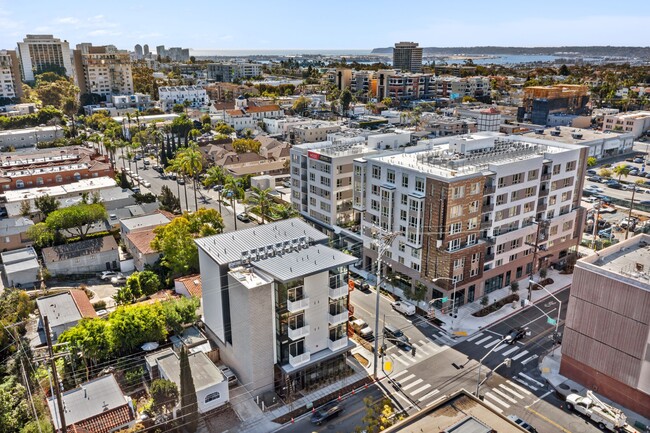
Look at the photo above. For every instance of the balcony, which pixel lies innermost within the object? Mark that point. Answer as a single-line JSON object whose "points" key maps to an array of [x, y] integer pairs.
{"points": [[546, 176], [486, 224], [543, 192], [337, 344], [298, 333], [298, 305], [339, 292], [337, 319], [489, 189], [489, 207], [299, 360]]}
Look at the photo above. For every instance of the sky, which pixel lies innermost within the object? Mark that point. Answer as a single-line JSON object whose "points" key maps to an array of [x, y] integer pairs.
{"points": [[327, 24]]}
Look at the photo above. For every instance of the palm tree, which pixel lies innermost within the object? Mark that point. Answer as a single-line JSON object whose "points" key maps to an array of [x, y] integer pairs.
{"points": [[285, 211], [233, 190], [191, 164], [110, 147], [134, 150], [174, 166], [262, 199], [621, 170], [215, 176]]}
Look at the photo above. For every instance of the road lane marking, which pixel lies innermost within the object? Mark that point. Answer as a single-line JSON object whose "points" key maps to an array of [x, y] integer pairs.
{"points": [[398, 394], [399, 359], [493, 406], [396, 375], [548, 420], [514, 349], [421, 349], [529, 359], [412, 384], [500, 347], [523, 382], [525, 376], [497, 399], [524, 390], [475, 336], [504, 395], [420, 389], [493, 343], [541, 397], [519, 355], [429, 395], [482, 340], [510, 391], [436, 401]]}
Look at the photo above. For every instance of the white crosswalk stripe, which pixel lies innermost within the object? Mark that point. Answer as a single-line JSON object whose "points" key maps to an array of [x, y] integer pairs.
{"points": [[504, 395], [516, 394], [429, 395], [396, 375], [407, 378], [420, 389], [412, 384], [401, 361], [519, 355], [517, 387], [475, 336], [508, 352], [497, 399], [492, 343], [483, 340], [500, 348], [493, 406]]}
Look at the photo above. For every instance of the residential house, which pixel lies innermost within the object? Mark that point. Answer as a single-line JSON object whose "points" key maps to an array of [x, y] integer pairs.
{"points": [[84, 257], [137, 234], [275, 301], [13, 233], [98, 406], [189, 286], [63, 311], [21, 267]]}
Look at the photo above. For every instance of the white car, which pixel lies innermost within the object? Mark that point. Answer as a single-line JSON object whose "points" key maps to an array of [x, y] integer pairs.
{"points": [[146, 184], [594, 188]]}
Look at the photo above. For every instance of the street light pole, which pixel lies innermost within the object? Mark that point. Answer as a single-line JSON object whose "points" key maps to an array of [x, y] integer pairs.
{"points": [[507, 362], [453, 297], [559, 309], [480, 363], [384, 241]]}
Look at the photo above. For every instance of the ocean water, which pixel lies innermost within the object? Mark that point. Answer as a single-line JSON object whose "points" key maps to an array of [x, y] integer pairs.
{"points": [[245, 53], [512, 59]]}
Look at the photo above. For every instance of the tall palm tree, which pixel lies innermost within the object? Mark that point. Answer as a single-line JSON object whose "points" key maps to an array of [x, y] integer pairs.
{"points": [[233, 190], [621, 170], [174, 166], [134, 146], [191, 164], [110, 147], [261, 198]]}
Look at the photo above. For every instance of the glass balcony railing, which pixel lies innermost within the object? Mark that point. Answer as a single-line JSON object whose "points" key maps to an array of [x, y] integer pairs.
{"points": [[299, 360], [298, 305], [338, 318]]}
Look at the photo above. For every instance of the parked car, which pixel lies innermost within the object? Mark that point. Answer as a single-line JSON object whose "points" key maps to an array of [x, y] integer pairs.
{"points": [[613, 184], [606, 234], [634, 172], [146, 184], [603, 198], [628, 221], [229, 375], [594, 188], [404, 307], [397, 337], [107, 275], [362, 285], [244, 217], [102, 313], [326, 412], [592, 172], [595, 178], [146, 162], [638, 160], [521, 423], [286, 184], [515, 335], [361, 327], [180, 181], [118, 279]]}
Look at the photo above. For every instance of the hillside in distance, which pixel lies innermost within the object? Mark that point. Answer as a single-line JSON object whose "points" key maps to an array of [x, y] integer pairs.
{"points": [[597, 51]]}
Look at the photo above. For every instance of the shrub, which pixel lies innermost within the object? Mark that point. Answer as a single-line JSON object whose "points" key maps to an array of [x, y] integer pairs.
{"points": [[543, 272], [514, 286], [99, 305], [484, 300]]}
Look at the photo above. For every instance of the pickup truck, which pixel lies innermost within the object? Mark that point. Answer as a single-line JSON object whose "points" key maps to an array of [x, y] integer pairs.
{"points": [[360, 327], [604, 415]]}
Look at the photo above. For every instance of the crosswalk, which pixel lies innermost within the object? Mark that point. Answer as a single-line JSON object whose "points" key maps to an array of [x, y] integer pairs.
{"points": [[423, 349], [415, 387], [489, 341], [505, 395]]}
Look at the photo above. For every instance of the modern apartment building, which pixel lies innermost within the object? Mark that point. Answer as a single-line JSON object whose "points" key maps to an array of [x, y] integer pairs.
{"points": [[275, 301], [468, 208], [407, 56], [172, 95], [103, 71], [38, 52], [10, 82], [229, 72], [29, 137], [635, 122], [404, 86], [312, 132], [606, 341], [444, 126]]}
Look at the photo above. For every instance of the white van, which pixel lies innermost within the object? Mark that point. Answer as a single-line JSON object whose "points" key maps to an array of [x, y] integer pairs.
{"points": [[404, 307]]}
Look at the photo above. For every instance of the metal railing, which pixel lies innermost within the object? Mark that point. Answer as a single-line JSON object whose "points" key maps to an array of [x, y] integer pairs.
{"points": [[298, 360], [296, 334], [298, 305]]}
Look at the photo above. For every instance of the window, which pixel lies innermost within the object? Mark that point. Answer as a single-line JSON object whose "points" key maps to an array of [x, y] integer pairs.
{"points": [[339, 182], [458, 192], [20, 184], [415, 253], [501, 248], [473, 206], [568, 182], [513, 195], [568, 225], [454, 245], [414, 205], [501, 199], [512, 258], [401, 246], [312, 201], [405, 181], [400, 260], [515, 243], [459, 263], [375, 189], [471, 239], [374, 205], [529, 192], [403, 199], [517, 178], [556, 169], [212, 396], [553, 230], [376, 172], [552, 200], [455, 228], [476, 257], [473, 272], [566, 196], [402, 215], [419, 184], [472, 223], [475, 188], [570, 166], [390, 176], [502, 182], [77, 176], [325, 181], [39, 181], [58, 178], [456, 211], [532, 174]]}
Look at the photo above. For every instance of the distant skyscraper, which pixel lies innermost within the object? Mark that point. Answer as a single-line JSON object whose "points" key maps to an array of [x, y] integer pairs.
{"points": [[407, 56], [138, 51], [160, 51], [146, 50], [38, 52]]}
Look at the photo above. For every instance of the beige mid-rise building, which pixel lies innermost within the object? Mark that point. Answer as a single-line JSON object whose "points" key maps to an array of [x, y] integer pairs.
{"points": [[39, 52], [10, 83], [103, 71]]}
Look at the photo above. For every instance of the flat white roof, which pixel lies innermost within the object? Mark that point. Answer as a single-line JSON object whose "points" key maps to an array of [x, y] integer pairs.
{"points": [[80, 186]]}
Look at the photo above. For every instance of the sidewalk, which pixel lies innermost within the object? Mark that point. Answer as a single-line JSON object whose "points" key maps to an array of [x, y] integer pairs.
{"points": [[550, 370], [466, 324]]}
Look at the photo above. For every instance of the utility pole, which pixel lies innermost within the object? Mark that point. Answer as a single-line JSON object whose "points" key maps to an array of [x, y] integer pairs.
{"points": [[535, 249], [629, 213], [57, 389]]}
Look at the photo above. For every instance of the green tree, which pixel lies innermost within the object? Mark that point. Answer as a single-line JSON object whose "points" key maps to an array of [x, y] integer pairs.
{"points": [[180, 312], [223, 128], [178, 108], [189, 405], [41, 234], [285, 211], [56, 93], [379, 415], [138, 284], [77, 218], [245, 145], [14, 411], [215, 175], [190, 163], [25, 208], [416, 293], [133, 325], [301, 104], [591, 161], [233, 191], [181, 126], [564, 71], [15, 306], [621, 170], [168, 201], [262, 199], [605, 172], [164, 394], [92, 336], [345, 100], [387, 101], [46, 204]]}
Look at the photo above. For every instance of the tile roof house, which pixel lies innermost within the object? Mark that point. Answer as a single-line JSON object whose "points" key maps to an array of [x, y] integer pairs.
{"points": [[139, 245], [98, 406], [83, 257], [64, 310], [188, 286]]}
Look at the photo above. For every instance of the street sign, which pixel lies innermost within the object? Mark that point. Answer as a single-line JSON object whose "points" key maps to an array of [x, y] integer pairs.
{"points": [[445, 299], [551, 321]]}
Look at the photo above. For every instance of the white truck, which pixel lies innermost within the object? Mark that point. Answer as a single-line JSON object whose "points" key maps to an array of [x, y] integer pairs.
{"points": [[361, 327], [604, 415], [404, 307]]}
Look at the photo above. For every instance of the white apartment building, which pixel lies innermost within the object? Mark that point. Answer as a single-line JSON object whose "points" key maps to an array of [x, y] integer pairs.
{"points": [[275, 301], [10, 82], [600, 144], [103, 71], [312, 132], [38, 51], [172, 95], [29, 137], [466, 208], [635, 122]]}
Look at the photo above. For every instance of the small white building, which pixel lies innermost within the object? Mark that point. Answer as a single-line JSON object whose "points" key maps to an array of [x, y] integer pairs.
{"points": [[29, 137], [635, 122], [21, 268], [172, 95], [84, 257]]}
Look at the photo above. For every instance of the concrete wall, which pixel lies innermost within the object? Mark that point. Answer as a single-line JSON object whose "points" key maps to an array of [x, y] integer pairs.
{"points": [[221, 388], [87, 264], [317, 315]]}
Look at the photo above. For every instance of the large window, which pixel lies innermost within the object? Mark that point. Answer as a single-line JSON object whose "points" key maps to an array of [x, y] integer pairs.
{"points": [[212, 396]]}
